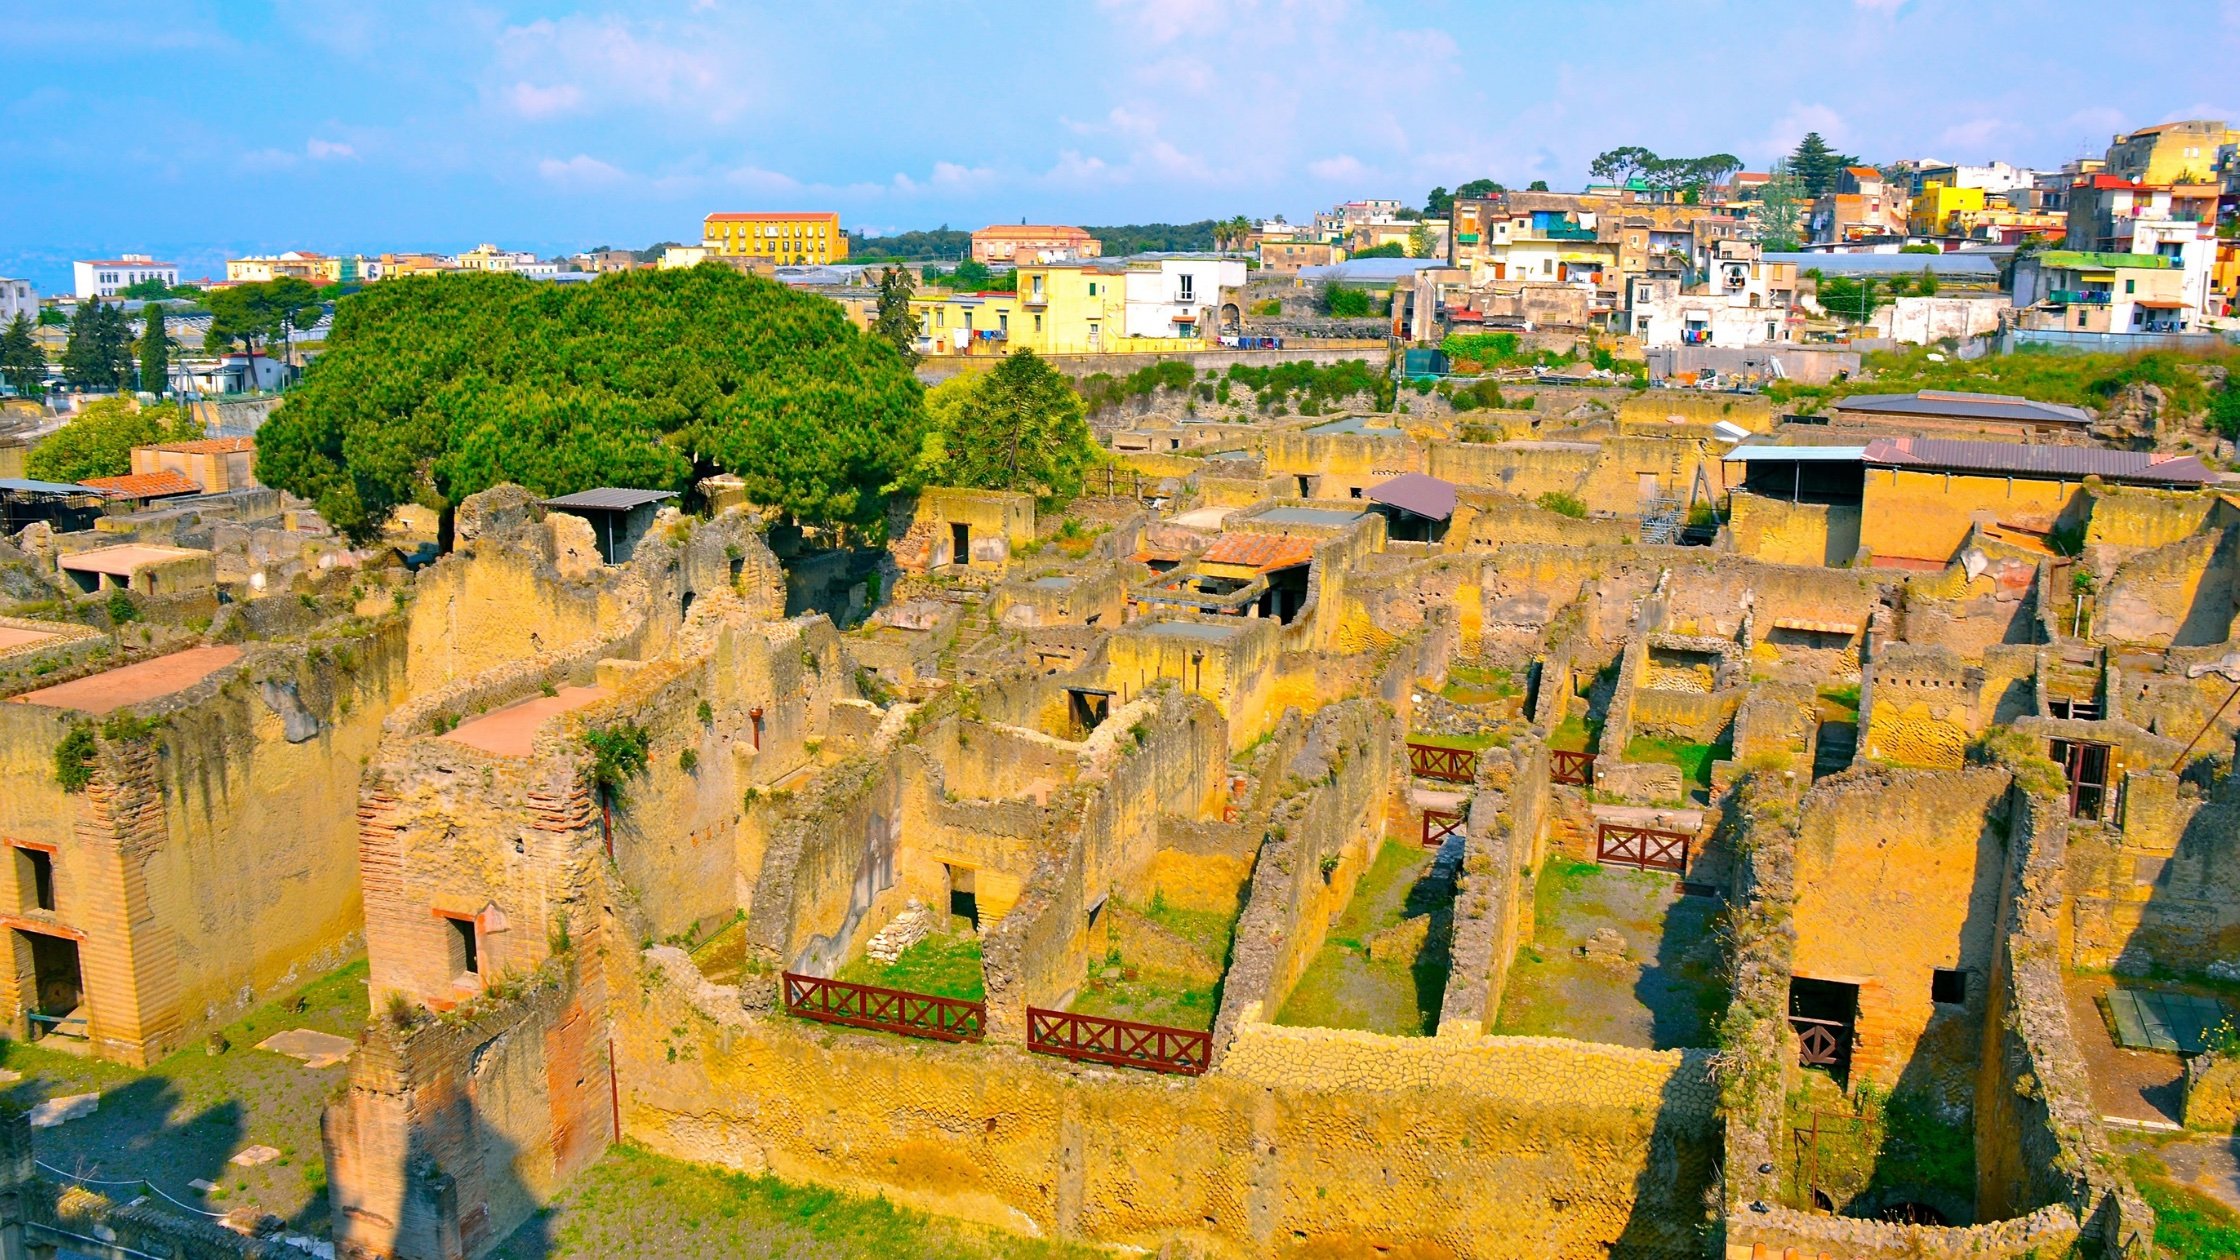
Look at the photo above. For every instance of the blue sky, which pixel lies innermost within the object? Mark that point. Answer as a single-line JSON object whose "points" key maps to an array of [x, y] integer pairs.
{"points": [[197, 129]]}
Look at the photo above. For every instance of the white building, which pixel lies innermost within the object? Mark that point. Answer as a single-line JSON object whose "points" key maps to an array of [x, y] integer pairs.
{"points": [[491, 258], [17, 297], [236, 373], [1743, 300], [104, 277], [1997, 177], [1180, 296]]}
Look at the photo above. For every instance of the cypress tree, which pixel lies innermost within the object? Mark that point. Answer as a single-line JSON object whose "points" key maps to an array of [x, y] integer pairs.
{"points": [[21, 361], [155, 352]]}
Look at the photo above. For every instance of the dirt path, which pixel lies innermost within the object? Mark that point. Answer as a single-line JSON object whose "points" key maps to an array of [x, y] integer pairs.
{"points": [[1617, 956]]}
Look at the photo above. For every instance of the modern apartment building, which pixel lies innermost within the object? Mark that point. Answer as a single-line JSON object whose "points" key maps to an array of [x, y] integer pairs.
{"points": [[105, 277], [784, 238]]}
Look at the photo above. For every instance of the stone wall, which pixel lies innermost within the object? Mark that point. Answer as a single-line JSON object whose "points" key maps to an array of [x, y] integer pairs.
{"points": [[1322, 835], [206, 866], [1780, 532], [1308, 1141], [1899, 874], [1501, 848], [456, 1129]]}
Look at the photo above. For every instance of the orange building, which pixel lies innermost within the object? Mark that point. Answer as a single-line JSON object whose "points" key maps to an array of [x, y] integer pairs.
{"points": [[1033, 243]]}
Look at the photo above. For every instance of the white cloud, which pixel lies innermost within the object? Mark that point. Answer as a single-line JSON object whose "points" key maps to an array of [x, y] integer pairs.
{"points": [[580, 169], [1165, 20], [324, 150], [1344, 166], [532, 101], [587, 63]]}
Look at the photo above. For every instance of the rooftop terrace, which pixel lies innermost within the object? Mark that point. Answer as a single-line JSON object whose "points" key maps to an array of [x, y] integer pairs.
{"points": [[133, 684], [509, 731]]}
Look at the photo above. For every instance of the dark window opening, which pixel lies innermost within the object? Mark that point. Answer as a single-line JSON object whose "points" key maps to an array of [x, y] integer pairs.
{"points": [[960, 544], [1087, 709], [684, 608], [2081, 710], [1286, 594], [2086, 765], [1306, 487], [35, 879], [57, 987], [964, 901], [1948, 986], [466, 957]]}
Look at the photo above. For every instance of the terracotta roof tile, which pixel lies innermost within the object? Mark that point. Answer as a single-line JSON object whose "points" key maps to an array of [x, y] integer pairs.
{"points": [[154, 485], [1260, 552]]}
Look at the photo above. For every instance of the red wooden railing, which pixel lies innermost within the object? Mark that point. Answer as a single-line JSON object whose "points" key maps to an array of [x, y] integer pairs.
{"points": [[1449, 765], [889, 1010], [1438, 824], [1120, 1042], [1820, 1042], [1574, 768], [1645, 847]]}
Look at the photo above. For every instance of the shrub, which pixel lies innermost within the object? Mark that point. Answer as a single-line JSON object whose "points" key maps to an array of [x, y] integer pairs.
{"points": [[618, 755], [73, 758], [688, 759], [1563, 504], [121, 606]]}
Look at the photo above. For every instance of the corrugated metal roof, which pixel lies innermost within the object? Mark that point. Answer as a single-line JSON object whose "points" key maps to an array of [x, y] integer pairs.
{"points": [[609, 499], [2137, 467], [1965, 406], [1260, 552], [22, 485], [1420, 493]]}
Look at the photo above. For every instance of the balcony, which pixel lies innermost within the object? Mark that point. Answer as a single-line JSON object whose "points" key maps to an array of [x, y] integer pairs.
{"points": [[1565, 234], [1034, 297], [2077, 297]]}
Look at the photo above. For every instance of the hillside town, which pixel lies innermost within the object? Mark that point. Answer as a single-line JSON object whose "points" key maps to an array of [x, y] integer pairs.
{"points": [[1202, 740]]}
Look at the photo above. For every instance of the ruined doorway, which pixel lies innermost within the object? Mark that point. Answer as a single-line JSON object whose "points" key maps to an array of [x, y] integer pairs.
{"points": [[464, 949], [1824, 1014], [960, 544], [1086, 709], [2086, 766], [35, 878], [964, 899], [1286, 594], [57, 986]]}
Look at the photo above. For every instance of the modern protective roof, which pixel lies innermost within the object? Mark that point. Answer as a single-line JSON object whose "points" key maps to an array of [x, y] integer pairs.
{"points": [[2088, 260], [1964, 406], [1420, 493], [1353, 424], [608, 499], [22, 485], [1325, 518], [1797, 454], [2147, 468]]}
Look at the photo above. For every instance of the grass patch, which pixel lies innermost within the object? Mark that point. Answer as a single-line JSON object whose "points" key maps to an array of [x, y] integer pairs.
{"points": [[2188, 1225], [1148, 997], [1890, 1146], [1479, 684], [943, 966], [1343, 987], [1575, 733], [2059, 376], [634, 1204], [1694, 760], [1668, 989], [184, 1118], [1211, 931]]}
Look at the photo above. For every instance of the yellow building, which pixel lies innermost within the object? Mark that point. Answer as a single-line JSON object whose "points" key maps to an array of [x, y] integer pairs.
{"points": [[1938, 206], [295, 264], [969, 323], [1073, 308], [2171, 152], [786, 239]]}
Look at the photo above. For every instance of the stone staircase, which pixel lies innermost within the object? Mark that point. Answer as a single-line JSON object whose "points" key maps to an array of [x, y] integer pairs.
{"points": [[1835, 749]]}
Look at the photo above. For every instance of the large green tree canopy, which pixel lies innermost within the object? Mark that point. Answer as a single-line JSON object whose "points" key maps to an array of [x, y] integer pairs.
{"points": [[432, 388]]}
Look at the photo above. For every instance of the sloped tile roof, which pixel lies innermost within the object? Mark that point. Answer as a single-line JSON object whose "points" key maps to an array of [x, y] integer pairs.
{"points": [[154, 485], [1260, 552]]}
